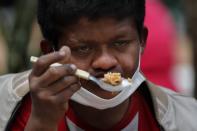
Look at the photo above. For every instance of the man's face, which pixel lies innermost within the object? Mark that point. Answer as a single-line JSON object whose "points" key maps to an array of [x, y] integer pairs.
{"points": [[101, 46]]}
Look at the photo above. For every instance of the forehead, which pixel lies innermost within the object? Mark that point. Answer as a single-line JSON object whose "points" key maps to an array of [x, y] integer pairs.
{"points": [[100, 29]]}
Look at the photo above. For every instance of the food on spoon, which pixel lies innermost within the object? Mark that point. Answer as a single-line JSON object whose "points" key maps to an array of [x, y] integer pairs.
{"points": [[129, 80], [112, 78]]}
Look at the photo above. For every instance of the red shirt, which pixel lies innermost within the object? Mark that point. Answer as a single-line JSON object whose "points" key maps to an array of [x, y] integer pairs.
{"points": [[138, 118]]}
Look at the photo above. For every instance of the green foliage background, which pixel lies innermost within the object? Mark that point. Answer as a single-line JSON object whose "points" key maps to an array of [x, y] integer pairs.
{"points": [[17, 34]]}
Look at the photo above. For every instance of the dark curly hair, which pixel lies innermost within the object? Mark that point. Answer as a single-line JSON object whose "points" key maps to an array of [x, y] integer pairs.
{"points": [[55, 15]]}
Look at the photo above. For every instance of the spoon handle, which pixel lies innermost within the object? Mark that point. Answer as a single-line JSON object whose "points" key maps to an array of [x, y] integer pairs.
{"points": [[80, 73]]}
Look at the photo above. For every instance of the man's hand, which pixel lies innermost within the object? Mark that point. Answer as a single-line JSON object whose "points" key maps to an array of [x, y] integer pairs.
{"points": [[50, 89]]}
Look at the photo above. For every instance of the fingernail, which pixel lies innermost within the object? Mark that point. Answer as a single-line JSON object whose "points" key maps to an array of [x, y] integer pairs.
{"points": [[62, 51], [73, 67]]}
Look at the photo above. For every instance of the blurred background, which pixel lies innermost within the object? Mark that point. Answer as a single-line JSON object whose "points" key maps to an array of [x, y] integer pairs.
{"points": [[169, 59]]}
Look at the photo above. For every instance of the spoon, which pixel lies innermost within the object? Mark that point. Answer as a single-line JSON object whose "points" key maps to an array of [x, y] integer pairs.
{"points": [[86, 75]]}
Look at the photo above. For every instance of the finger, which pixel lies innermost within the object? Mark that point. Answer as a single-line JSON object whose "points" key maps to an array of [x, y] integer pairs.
{"points": [[53, 74], [45, 61], [62, 84], [65, 106]]}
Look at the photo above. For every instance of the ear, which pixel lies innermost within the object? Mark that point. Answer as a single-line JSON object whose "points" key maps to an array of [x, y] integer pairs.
{"points": [[46, 47], [144, 38]]}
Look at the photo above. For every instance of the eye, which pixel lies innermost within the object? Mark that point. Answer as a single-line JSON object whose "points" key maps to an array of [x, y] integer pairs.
{"points": [[121, 43], [82, 49]]}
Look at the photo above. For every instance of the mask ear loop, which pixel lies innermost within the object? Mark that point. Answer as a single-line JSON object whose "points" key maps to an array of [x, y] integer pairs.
{"points": [[139, 59]]}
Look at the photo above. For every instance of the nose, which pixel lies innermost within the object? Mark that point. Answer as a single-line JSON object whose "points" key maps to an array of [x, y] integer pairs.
{"points": [[105, 61]]}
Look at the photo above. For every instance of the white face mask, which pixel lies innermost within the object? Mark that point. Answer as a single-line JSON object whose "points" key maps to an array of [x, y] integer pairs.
{"points": [[87, 98]]}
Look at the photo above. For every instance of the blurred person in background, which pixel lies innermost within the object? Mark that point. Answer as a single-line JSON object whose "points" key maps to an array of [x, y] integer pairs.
{"points": [[16, 28], [6, 17], [167, 57], [158, 59], [184, 75], [3, 64], [190, 7]]}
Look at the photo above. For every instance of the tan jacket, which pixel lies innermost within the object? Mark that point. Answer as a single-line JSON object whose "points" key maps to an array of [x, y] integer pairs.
{"points": [[174, 112]]}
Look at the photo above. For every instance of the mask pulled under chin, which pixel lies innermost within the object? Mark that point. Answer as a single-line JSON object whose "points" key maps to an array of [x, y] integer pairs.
{"points": [[85, 97]]}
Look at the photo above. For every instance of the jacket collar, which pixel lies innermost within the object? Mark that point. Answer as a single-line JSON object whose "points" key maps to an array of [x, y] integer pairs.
{"points": [[159, 99]]}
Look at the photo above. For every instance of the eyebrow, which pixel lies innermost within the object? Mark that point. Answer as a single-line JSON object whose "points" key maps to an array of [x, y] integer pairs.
{"points": [[120, 34], [78, 43], [88, 40]]}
